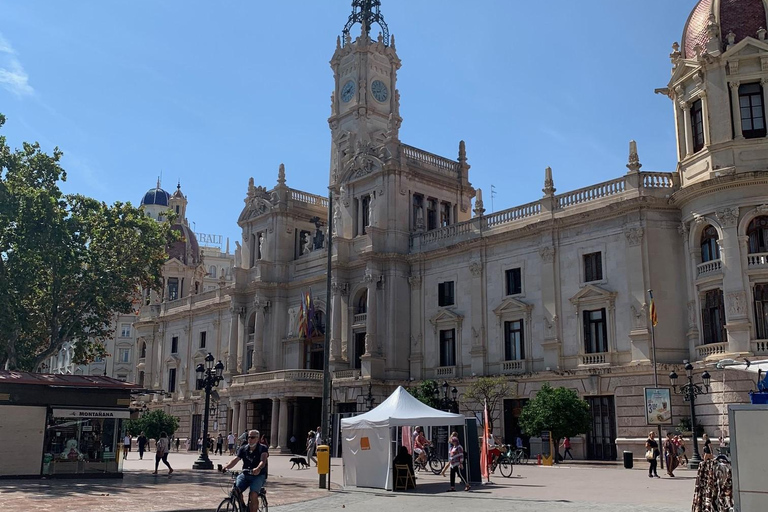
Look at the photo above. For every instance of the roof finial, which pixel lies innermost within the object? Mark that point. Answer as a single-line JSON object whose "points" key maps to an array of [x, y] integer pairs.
{"points": [[366, 12], [549, 183], [462, 152], [479, 209], [178, 184], [634, 164], [158, 182], [281, 175]]}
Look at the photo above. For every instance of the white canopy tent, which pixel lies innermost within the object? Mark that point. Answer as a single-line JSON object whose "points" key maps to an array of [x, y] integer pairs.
{"points": [[368, 448]]}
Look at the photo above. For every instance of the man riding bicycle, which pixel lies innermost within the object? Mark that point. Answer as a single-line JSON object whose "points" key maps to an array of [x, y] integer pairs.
{"points": [[419, 444], [254, 457]]}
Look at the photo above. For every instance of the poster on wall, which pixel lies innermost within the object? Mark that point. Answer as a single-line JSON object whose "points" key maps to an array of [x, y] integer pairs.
{"points": [[658, 406]]}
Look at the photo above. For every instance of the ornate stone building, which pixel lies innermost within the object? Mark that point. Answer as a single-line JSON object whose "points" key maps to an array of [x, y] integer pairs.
{"points": [[426, 285]]}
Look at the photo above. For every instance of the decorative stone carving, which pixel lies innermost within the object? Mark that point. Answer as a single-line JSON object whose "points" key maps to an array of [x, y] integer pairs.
{"points": [[699, 219], [344, 196], [306, 241], [477, 337], [762, 209], [336, 217], [416, 342], [634, 164], [737, 304], [634, 235], [369, 277], [292, 312], [476, 268], [692, 313], [372, 220], [728, 217], [639, 316], [340, 288], [683, 230], [547, 253], [733, 66], [415, 282]]}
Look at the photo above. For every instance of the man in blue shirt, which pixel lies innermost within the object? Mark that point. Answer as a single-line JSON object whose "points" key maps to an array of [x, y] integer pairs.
{"points": [[254, 457]]}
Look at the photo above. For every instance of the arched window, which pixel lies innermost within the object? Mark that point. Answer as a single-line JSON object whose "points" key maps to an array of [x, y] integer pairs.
{"points": [[710, 250], [757, 231], [362, 303], [212, 270]]}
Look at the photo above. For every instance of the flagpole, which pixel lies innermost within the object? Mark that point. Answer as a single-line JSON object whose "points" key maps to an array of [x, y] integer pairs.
{"points": [[653, 356], [326, 409]]}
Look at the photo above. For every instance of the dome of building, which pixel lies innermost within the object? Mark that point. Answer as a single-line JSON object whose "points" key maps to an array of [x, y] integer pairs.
{"points": [[741, 17], [185, 249], [156, 196]]}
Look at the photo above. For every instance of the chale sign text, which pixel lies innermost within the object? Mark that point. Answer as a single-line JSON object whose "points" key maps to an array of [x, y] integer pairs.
{"points": [[205, 238]]}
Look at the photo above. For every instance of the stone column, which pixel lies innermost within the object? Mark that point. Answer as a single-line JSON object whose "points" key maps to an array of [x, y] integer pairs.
{"points": [[275, 423], [477, 307], [705, 117], [232, 356], [639, 335], [736, 109], [687, 128], [736, 310], [282, 427], [417, 337], [235, 418], [241, 348], [336, 291], [370, 323], [257, 364], [549, 299], [344, 324]]}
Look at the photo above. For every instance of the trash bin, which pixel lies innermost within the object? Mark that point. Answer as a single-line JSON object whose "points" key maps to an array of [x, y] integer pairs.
{"points": [[628, 460], [323, 459]]}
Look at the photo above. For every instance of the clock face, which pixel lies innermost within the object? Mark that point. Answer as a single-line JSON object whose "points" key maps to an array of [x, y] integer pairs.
{"points": [[379, 90], [348, 91]]}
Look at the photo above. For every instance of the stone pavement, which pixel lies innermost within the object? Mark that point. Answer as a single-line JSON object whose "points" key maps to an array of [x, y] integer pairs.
{"points": [[566, 487]]}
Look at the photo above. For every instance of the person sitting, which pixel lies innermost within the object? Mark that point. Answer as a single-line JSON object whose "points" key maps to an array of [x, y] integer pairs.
{"points": [[403, 457]]}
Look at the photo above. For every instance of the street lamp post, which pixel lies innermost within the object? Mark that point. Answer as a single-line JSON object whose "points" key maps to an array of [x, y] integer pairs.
{"points": [[208, 377], [448, 404], [690, 391]]}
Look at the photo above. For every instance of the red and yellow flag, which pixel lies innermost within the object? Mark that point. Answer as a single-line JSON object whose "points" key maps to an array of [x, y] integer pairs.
{"points": [[654, 317]]}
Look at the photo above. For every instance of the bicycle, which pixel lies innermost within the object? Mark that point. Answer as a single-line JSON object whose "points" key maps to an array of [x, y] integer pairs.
{"points": [[519, 456], [435, 463], [234, 501], [505, 464]]}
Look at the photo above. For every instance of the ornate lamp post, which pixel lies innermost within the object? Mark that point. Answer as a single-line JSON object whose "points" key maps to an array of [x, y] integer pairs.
{"points": [[690, 391], [369, 399], [208, 377], [448, 404]]}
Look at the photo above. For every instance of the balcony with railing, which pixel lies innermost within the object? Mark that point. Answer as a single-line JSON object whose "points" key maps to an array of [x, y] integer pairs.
{"points": [[445, 372], [595, 359], [429, 161], [359, 319], [517, 366], [346, 374], [711, 349], [278, 375], [709, 268], [591, 193], [757, 260], [760, 347], [310, 199]]}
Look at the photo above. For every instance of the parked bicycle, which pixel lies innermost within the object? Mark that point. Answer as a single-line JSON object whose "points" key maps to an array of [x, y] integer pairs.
{"points": [[432, 461], [234, 501], [518, 455]]}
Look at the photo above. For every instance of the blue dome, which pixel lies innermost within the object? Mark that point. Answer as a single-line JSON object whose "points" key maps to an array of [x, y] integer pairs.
{"points": [[156, 196]]}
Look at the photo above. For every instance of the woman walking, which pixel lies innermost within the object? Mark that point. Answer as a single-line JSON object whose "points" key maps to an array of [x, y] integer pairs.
{"points": [[707, 447], [311, 447], [651, 454], [670, 454], [456, 455], [161, 452]]}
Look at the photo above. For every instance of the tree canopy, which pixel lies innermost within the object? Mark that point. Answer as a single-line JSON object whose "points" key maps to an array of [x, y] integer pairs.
{"points": [[424, 391], [559, 410], [152, 424], [68, 263], [487, 390]]}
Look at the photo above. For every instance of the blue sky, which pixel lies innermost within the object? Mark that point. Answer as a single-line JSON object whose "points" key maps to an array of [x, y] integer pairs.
{"points": [[212, 93]]}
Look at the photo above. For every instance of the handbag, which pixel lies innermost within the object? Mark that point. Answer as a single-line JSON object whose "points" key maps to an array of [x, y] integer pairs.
{"points": [[649, 455]]}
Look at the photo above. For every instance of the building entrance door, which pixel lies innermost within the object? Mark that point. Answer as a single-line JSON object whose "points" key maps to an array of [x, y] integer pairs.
{"points": [[601, 439], [197, 431], [512, 410]]}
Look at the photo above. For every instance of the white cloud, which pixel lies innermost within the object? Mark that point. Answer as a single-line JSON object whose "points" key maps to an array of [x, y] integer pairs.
{"points": [[12, 75]]}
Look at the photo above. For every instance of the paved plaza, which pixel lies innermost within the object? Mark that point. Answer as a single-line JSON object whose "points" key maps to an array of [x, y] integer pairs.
{"points": [[573, 487]]}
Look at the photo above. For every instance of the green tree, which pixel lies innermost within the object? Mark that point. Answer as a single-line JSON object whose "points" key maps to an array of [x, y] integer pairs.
{"points": [[424, 391], [487, 390], [68, 263], [559, 410], [152, 423]]}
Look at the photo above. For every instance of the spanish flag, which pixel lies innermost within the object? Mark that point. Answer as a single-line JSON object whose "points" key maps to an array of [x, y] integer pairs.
{"points": [[654, 318]]}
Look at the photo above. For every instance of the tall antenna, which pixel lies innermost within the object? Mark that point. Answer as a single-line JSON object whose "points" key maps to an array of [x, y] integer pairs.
{"points": [[493, 194]]}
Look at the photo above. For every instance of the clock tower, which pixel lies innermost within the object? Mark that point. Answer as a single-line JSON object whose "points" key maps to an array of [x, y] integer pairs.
{"points": [[365, 110]]}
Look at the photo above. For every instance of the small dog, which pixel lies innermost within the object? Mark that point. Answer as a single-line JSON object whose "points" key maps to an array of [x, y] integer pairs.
{"points": [[299, 461]]}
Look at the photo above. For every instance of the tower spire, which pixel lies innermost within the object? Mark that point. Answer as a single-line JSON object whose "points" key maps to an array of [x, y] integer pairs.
{"points": [[366, 12]]}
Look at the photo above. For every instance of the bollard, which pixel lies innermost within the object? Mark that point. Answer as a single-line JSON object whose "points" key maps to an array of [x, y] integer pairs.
{"points": [[538, 459]]}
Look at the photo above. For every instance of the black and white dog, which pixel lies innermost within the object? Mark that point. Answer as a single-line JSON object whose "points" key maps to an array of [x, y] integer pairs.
{"points": [[299, 461]]}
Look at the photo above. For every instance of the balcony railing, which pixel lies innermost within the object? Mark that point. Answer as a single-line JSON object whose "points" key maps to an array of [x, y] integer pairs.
{"points": [[359, 319], [445, 371], [512, 214], [757, 260], [279, 375], [304, 197], [760, 347], [708, 267], [594, 359], [346, 374], [711, 349], [517, 366], [431, 161], [657, 179], [586, 194]]}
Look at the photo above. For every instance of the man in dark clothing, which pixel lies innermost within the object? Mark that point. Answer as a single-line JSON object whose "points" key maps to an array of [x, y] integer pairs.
{"points": [[254, 456], [142, 442]]}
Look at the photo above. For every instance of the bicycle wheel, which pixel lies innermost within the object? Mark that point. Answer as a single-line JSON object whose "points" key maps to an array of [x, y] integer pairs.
{"points": [[228, 505], [505, 466], [436, 465], [523, 458]]}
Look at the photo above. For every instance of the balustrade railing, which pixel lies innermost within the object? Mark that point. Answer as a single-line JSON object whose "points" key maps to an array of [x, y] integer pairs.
{"points": [[596, 358], [298, 195], [708, 267], [346, 374], [513, 366], [359, 318], [513, 214], [445, 371], [431, 161], [586, 194], [760, 347], [657, 180], [758, 259], [711, 349], [279, 375]]}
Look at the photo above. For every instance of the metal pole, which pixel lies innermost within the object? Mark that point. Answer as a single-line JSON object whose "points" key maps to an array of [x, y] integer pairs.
{"points": [[324, 427], [655, 374], [203, 462], [696, 458]]}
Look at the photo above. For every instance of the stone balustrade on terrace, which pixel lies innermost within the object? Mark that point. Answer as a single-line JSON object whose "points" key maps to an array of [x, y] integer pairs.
{"points": [[594, 196], [416, 157], [278, 375]]}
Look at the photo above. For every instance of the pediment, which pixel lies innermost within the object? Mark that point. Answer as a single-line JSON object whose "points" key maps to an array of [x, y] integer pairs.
{"points": [[512, 305], [446, 316], [684, 68], [592, 293], [257, 206], [746, 47], [172, 359]]}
